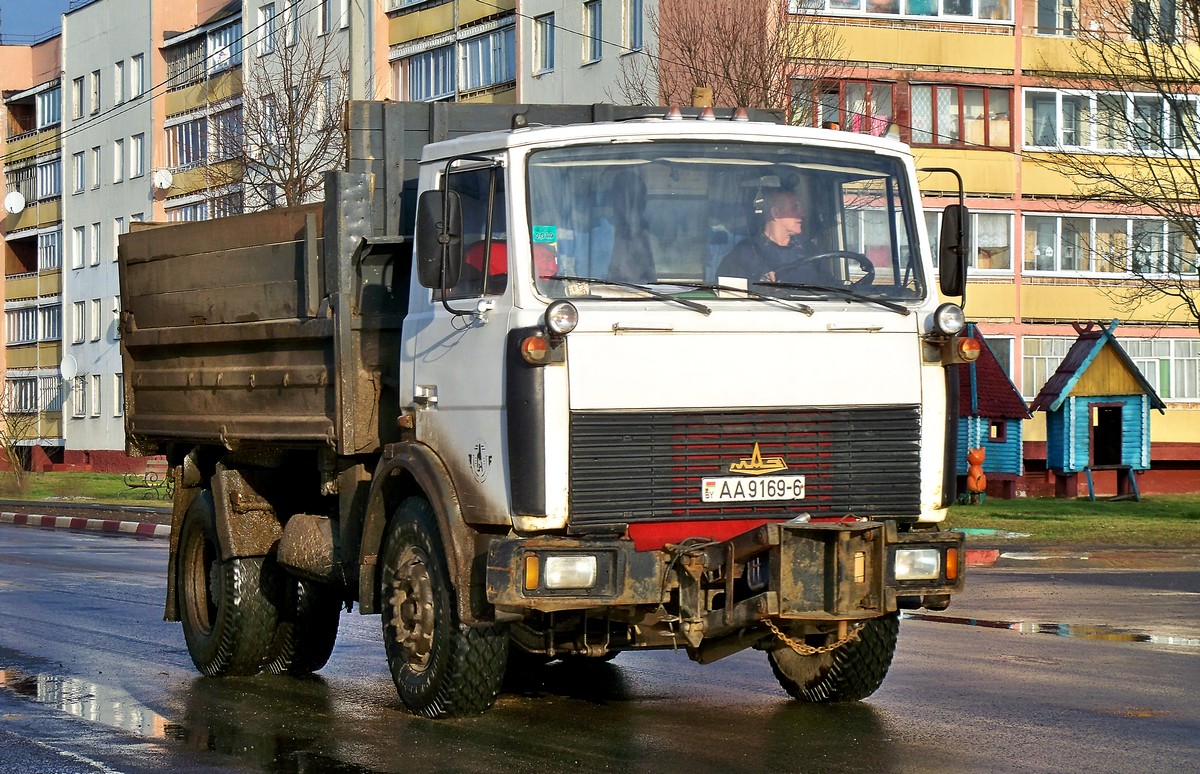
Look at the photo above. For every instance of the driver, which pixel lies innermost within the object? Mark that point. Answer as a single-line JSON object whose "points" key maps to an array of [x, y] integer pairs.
{"points": [[759, 256]]}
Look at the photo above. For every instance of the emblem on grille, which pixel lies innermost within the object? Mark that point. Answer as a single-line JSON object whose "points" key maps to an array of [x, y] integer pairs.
{"points": [[757, 465]]}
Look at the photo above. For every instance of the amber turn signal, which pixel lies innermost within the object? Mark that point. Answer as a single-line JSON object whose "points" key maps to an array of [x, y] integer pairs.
{"points": [[535, 349], [531, 572], [968, 349], [952, 564]]}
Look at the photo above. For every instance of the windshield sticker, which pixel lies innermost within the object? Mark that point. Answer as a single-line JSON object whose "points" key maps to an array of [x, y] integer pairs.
{"points": [[545, 234]]}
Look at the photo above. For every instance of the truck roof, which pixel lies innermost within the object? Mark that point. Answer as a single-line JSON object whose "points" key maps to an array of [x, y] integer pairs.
{"points": [[650, 129]]}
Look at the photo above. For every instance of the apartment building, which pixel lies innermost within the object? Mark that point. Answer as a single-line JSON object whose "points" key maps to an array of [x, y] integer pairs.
{"points": [[992, 89], [31, 160]]}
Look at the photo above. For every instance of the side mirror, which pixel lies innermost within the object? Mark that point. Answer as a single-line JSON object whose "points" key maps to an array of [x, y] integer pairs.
{"points": [[439, 239], [953, 244]]}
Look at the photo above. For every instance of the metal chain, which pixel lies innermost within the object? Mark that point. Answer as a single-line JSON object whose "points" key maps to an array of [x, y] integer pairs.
{"points": [[808, 650]]}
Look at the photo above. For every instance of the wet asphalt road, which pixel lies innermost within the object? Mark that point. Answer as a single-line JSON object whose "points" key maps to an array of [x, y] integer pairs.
{"points": [[92, 680]]}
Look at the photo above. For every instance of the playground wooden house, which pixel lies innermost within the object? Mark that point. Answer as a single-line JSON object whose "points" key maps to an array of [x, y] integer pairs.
{"points": [[990, 416], [1097, 408]]}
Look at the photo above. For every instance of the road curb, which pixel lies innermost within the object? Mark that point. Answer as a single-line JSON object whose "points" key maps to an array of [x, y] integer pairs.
{"points": [[111, 526]]}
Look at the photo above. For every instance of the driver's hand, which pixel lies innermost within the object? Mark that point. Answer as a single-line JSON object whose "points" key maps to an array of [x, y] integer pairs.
{"points": [[768, 277]]}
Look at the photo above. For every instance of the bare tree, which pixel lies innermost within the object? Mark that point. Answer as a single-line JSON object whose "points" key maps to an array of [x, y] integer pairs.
{"points": [[1141, 60], [746, 51], [20, 427], [290, 129]]}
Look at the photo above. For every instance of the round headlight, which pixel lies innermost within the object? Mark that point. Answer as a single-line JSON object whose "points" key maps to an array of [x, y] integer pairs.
{"points": [[949, 319], [561, 318]]}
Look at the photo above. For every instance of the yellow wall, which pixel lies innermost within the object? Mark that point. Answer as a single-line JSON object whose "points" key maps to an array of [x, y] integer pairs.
{"points": [[1070, 303], [983, 172], [35, 214], [32, 145], [928, 49], [25, 287], [22, 357], [991, 302], [227, 84], [201, 178], [440, 18]]}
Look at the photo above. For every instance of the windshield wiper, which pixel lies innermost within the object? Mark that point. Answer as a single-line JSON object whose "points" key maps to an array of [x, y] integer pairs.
{"points": [[793, 305], [897, 308], [693, 305]]}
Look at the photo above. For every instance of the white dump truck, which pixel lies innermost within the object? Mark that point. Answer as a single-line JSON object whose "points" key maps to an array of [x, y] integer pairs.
{"points": [[504, 388]]}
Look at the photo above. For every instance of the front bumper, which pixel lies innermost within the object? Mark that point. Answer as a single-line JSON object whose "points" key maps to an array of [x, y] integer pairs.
{"points": [[812, 572]]}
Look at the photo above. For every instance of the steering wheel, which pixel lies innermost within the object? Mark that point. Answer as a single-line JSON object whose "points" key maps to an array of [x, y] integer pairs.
{"points": [[863, 262]]}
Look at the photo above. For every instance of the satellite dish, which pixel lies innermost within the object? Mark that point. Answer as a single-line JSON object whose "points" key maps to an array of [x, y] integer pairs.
{"points": [[14, 202], [69, 367], [163, 179]]}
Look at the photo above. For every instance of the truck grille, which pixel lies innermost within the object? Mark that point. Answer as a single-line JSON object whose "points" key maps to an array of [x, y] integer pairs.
{"points": [[648, 466]]}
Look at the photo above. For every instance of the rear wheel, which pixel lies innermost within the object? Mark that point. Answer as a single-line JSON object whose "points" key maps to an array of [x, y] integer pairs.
{"points": [[308, 624], [851, 672], [440, 667], [228, 617]]}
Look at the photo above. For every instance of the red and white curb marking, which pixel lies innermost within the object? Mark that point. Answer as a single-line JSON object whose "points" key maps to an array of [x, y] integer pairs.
{"points": [[94, 525], [982, 557]]}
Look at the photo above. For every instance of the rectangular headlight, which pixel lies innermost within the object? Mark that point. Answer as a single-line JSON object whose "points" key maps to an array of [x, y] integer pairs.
{"points": [[569, 572], [918, 564]]}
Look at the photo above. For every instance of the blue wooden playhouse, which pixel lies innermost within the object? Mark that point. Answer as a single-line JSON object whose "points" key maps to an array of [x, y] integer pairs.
{"points": [[990, 416], [1097, 408]]}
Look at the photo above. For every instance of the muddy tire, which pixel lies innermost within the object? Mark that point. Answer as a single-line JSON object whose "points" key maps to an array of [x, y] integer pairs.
{"points": [[229, 619], [441, 668], [309, 613], [851, 673]]}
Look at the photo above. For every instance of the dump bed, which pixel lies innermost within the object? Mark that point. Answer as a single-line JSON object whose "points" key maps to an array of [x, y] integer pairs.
{"points": [[227, 335]]}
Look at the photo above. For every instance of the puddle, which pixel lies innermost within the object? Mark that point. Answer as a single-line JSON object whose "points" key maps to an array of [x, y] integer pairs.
{"points": [[90, 701], [1079, 631]]}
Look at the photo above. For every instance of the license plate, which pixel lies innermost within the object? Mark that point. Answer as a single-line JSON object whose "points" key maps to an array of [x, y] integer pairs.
{"points": [[742, 489]]}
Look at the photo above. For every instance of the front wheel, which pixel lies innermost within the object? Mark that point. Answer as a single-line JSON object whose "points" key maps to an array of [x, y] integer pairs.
{"points": [[440, 667], [229, 620], [851, 672]]}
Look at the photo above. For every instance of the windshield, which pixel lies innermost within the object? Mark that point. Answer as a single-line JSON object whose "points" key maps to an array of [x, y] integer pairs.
{"points": [[782, 220]]}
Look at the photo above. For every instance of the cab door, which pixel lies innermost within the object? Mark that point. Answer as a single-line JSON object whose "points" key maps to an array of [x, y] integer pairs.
{"points": [[457, 345]]}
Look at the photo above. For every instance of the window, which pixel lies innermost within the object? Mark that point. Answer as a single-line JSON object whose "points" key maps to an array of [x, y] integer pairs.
{"points": [[77, 247], [1084, 244], [185, 63], [49, 247], [79, 396], [325, 17], [21, 325], [1153, 20], [49, 108], [77, 98], [50, 322], [856, 106], [94, 245], [187, 143], [137, 76], [78, 171], [593, 30], [1056, 17], [266, 29], [24, 180], [431, 74], [485, 264], [79, 322], [291, 28], [95, 92], [96, 167], [632, 37], [188, 212], [488, 60], [49, 179], [1171, 366], [1107, 121], [543, 44], [224, 47], [952, 10], [1041, 358], [21, 395], [94, 396], [137, 155], [958, 115], [118, 230], [116, 318], [118, 160], [52, 393], [118, 395], [226, 134], [991, 239], [119, 82], [94, 318]]}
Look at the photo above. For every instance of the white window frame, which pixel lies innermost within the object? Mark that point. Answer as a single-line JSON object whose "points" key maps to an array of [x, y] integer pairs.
{"points": [[94, 318], [633, 36], [94, 397], [119, 160], [49, 179], [267, 24], [77, 98], [593, 31], [543, 44], [119, 82], [49, 247], [137, 75], [78, 171], [94, 245], [118, 395], [95, 92], [79, 322], [78, 247], [1037, 368], [118, 230], [96, 167], [79, 394], [137, 155]]}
